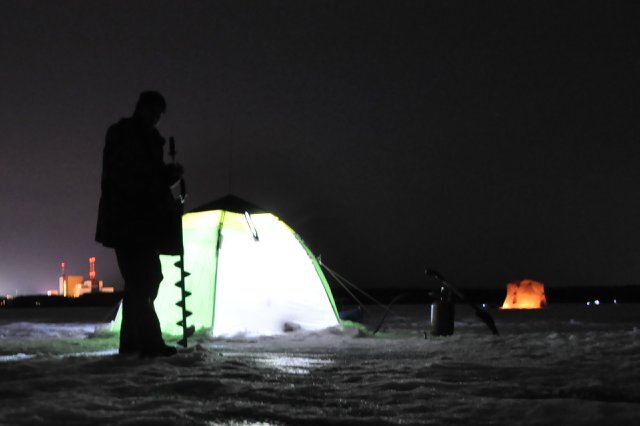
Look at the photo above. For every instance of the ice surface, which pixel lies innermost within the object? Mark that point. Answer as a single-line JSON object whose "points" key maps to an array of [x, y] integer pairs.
{"points": [[566, 364]]}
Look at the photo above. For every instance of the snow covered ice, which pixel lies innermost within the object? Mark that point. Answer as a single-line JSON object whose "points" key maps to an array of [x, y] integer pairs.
{"points": [[567, 364]]}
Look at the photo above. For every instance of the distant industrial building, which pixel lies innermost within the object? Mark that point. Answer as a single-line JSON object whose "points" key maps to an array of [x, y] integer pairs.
{"points": [[76, 285]]}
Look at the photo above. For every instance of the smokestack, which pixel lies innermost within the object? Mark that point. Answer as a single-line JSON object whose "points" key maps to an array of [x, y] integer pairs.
{"points": [[92, 268], [62, 285]]}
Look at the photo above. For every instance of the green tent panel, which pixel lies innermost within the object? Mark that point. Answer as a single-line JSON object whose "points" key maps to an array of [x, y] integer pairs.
{"points": [[251, 274]]}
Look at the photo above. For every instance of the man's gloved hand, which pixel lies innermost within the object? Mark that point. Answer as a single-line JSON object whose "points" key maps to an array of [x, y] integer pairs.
{"points": [[174, 173]]}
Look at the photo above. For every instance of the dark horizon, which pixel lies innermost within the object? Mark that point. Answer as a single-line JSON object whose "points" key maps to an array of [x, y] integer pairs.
{"points": [[489, 297], [494, 142]]}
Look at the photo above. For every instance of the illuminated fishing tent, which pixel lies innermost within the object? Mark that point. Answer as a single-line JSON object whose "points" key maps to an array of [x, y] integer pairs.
{"points": [[250, 275], [525, 294]]}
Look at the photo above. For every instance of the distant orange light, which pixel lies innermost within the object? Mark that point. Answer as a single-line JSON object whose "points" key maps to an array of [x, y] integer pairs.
{"points": [[525, 294]]}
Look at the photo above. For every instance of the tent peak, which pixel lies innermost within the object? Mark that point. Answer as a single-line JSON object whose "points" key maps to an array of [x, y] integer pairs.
{"points": [[230, 203]]}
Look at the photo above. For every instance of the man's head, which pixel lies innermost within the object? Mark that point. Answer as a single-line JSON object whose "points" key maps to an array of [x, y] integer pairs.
{"points": [[150, 107]]}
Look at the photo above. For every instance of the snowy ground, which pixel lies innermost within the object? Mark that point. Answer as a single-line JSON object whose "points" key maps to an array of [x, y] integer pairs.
{"points": [[567, 364]]}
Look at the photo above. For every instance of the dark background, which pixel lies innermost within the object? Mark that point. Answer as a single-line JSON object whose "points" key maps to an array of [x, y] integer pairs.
{"points": [[494, 141]]}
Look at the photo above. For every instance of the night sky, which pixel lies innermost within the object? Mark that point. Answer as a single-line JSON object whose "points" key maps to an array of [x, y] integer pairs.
{"points": [[494, 141]]}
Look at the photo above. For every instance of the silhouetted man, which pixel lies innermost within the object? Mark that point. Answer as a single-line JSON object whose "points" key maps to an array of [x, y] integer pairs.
{"points": [[136, 208]]}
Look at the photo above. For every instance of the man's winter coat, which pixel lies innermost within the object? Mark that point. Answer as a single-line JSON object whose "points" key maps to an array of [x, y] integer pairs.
{"points": [[136, 204]]}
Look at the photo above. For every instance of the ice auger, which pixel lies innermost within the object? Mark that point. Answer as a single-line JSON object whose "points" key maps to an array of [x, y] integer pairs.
{"points": [[182, 303]]}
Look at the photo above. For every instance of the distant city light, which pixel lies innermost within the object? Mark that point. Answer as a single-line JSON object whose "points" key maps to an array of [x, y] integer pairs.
{"points": [[615, 301]]}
